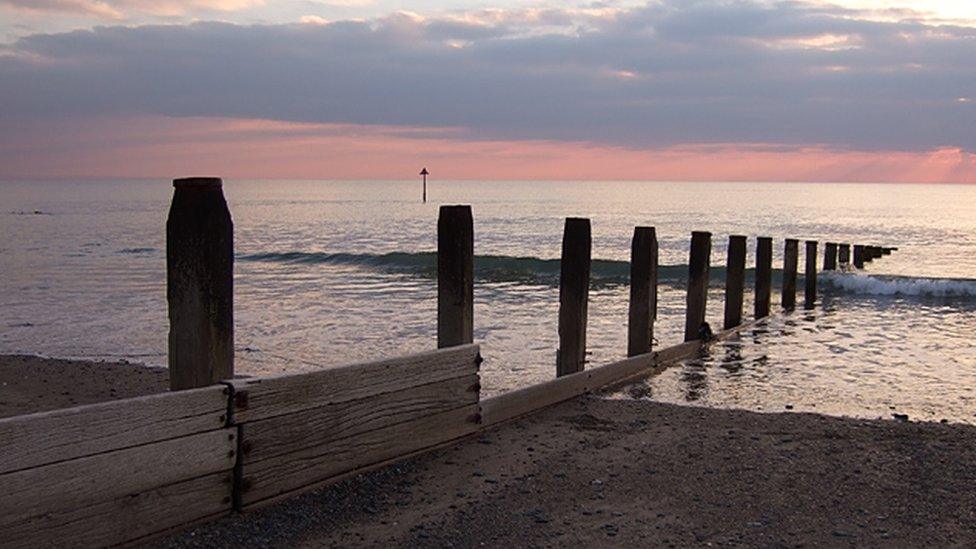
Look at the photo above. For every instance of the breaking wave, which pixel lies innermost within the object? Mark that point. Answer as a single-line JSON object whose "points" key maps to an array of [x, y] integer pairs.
{"points": [[888, 285]]}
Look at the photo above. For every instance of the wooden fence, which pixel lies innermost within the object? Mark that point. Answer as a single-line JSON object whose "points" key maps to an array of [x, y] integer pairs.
{"points": [[123, 471]]}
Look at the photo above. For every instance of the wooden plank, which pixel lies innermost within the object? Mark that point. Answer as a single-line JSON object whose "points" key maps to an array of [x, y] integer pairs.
{"points": [[513, 404], [764, 276], [643, 291], [290, 472], [455, 276], [735, 277], [200, 284], [790, 258], [105, 477], [320, 426], [125, 519], [574, 289], [57, 435], [830, 256], [698, 262], [844, 255], [273, 396], [810, 275]]}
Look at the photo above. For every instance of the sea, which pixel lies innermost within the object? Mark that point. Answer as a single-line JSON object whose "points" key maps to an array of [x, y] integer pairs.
{"points": [[334, 272]]}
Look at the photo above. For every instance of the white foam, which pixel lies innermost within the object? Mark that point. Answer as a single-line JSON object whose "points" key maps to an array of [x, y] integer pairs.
{"points": [[859, 283]]}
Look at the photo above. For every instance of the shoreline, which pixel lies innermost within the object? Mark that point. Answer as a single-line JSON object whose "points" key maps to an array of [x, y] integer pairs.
{"points": [[30, 384]]}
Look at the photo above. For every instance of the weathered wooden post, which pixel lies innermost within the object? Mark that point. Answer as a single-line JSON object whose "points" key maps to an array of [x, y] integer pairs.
{"points": [[790, 258], [200, 284], [830, 256], [735, 276], [455, 276], [810, 275], [643, 291], [858, 256], [574, 285], [701, 251], [867, 254], [844, 255], [764, 276]]}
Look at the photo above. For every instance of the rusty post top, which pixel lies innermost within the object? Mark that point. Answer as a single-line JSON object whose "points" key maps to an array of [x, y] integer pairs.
{"points": [[198, 183]]}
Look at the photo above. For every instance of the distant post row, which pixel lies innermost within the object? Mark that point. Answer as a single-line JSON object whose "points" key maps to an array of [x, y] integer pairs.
{"points": [[199, 283]]}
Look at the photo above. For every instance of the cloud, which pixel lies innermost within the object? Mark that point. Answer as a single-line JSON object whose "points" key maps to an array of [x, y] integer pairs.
{"points": [[167, 147], [663, 75], [120, 9]]}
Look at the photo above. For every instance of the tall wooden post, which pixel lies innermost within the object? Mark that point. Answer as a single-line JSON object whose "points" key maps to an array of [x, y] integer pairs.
{"points": [[790, 258], [200, 284], [701, 251], [735, 276], [455, 276], [574, 285], [764, 276], [643, 291], [810, 275], [844, 255], [858, 256], [830, 256]]}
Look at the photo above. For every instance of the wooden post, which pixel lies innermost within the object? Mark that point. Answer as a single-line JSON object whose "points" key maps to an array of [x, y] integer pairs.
{"points": [[455, 276], [790, 258], [701, 251], [858, 256], [574, 285], [735, 276], [844, 255], [643, 291], [867, 254], [830, 256], [200, 284], [764, 276], [810, 275]]}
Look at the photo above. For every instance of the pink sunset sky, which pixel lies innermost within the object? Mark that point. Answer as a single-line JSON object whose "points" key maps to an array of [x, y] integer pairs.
{"points": [[666, 90]]}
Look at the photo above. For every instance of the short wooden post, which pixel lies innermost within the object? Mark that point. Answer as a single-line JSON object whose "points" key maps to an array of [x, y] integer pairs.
{"points": [[790, 258], [868, 254], [735, 276], [844, 255], [574, 285], [701, 251], [764, 276], [643, 291], [858, 256], [200, 284], [830, 256], [455, 276], [810, 275]]}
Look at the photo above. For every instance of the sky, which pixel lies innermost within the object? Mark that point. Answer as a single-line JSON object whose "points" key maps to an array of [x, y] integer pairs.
{"points": [[753, 90]]}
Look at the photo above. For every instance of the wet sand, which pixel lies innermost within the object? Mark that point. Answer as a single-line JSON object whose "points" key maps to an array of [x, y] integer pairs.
{"points": [[636, 473], [33, 384]]}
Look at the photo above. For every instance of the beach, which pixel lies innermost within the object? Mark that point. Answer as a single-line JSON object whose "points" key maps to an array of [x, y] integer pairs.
{"points": [[31, 384], [634, 473]]}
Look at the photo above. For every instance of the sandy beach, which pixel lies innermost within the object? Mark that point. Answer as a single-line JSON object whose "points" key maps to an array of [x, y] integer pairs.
{"points": [[34, 384], [634, 473], [597, 471]]}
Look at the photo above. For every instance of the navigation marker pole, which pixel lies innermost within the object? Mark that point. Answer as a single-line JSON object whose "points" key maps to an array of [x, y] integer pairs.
{"points": [[424, 173]]}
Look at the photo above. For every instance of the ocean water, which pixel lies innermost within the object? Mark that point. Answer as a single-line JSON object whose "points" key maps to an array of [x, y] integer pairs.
{"points": [[328, 273]]}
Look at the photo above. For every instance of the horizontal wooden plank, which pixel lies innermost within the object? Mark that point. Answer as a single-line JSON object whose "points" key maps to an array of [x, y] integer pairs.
{"points": [[290, 472], [125, 519], [273, 396], [320, 426], [37, 439], [104, 477], [517, 403]]}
